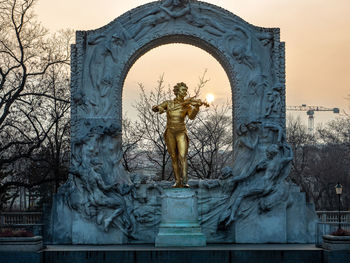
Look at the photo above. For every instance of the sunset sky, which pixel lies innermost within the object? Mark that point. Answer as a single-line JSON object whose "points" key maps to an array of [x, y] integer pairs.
{"points": [[316, 32]]}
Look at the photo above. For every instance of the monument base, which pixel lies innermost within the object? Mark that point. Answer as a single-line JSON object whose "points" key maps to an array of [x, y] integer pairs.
{"points": [[247, 253], [179, 224]]}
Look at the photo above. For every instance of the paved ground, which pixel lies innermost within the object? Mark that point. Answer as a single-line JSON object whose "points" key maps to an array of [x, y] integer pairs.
{"points": [[148, 247]]}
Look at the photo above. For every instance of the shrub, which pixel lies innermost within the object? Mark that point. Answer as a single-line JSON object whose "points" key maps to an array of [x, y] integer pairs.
{"points": [[340, 232], [15, 233]]}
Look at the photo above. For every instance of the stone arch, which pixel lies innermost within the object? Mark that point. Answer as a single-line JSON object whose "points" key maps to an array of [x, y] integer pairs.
{"points": [[251, 56], [99, 193], [183, 39]]}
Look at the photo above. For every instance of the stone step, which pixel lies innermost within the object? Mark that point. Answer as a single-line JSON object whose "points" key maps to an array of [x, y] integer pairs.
{"points": [[268, 253]]}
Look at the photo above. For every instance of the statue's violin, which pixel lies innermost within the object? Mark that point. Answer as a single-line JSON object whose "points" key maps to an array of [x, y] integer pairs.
{"points": [[193, 100]]}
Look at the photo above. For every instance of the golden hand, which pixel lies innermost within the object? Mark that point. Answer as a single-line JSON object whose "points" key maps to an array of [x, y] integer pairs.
{"points": [[158, 109]]}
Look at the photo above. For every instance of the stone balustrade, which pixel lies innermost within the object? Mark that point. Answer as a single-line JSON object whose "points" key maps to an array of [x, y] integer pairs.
{"points": [[32, 218], [332, 216], [20, 218]]}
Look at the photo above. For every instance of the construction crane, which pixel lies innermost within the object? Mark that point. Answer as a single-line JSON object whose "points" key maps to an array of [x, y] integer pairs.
{"points": [[310, 110]]}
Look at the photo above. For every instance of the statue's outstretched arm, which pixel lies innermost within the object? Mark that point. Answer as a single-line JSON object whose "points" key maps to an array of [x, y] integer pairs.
{"points": [[161, 108]]}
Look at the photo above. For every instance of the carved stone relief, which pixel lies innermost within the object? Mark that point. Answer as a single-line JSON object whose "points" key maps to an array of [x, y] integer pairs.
{"points": [[103, 194]]}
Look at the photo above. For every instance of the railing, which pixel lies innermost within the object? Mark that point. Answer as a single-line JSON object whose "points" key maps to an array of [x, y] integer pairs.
{"points": [[332, 216], [30, 221], [328, 223], [20, 218]]}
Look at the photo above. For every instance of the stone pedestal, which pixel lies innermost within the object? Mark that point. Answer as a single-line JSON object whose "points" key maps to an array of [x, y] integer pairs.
{"points": [[331, 242], [21, 244], [179, 224]]}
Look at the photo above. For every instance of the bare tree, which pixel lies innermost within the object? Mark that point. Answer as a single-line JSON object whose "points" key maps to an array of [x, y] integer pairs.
{"points": [[210, 142], [334, 141], [336, 132], [326, 169], [152, 126], [302, 143], [320, 160], [55, 149], [25, 55], [131, 145], [32, 107]]}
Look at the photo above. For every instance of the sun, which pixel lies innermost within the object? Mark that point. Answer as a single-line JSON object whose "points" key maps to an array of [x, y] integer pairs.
{"points": [[210, 98]]}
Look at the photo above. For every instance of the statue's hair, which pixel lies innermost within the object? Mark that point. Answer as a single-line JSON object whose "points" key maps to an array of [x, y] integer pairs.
{"points": [[178, 85]]}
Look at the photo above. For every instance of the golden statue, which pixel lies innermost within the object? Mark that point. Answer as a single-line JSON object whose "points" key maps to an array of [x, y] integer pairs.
{"points": [[175, 135]]}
